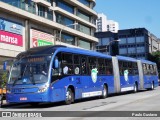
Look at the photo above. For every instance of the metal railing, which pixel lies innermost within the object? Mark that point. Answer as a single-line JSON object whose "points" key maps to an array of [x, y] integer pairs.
{"points": [[30, 9]]}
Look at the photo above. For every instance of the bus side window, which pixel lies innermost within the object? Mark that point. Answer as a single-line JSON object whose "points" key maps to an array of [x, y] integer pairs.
{"points": [[120, 67], [144, 69], [148, 70], [155, 70], [101, 66], [84, 66], [57, 71], [67, 63], [151, 69], [76, 59], [109, 67], [130, 68], [135, 68], [92, 61]]}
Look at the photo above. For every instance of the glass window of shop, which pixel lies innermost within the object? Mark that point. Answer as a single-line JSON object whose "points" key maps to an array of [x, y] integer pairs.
{"points": [[84, 29], [69, 39], [84, 44], [65, 6], [64, 20], [85, 2], [83, 15]]}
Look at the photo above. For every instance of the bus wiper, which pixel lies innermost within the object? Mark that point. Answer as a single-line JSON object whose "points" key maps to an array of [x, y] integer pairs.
{"points": [[14, 83], [33, 81]]}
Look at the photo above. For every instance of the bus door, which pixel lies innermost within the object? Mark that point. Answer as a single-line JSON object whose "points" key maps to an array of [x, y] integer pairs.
{"points": [[86, 82], [146, 75], [124, 76], [95, 79]]}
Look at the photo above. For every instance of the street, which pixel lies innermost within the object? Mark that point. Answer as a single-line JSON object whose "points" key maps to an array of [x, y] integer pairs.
{"points": [[141, 101]]}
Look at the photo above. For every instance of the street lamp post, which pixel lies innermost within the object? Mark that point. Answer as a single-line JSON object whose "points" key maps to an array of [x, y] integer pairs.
{"points": [[109, 44], [60, 33]]}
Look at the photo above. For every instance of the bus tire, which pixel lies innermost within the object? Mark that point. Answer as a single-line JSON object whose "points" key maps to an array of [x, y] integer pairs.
{"points": [[152, 86], [135, 88], [34, 104], [69, 96], [104, 92]]}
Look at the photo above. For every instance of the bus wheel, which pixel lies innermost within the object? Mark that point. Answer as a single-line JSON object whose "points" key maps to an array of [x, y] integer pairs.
{"points": [[69, 97], [34, 104], [135, 88], [152, 86], [104, 92]]}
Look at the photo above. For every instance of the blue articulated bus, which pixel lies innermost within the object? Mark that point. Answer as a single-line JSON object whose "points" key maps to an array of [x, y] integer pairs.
{"points": [[60, 73]]}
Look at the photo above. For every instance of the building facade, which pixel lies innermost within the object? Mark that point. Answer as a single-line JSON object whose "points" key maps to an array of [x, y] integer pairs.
{"points": [[30, 23], [103, 24], [112, 26], [137, 43]]}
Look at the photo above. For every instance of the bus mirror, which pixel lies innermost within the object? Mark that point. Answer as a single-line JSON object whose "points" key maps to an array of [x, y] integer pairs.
{"points": [[56, 62]]}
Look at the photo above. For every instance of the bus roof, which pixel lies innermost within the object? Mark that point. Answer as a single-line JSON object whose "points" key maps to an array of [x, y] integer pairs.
{"points": [[126, 58], [149, 62], [82, 51], [50, 49]]}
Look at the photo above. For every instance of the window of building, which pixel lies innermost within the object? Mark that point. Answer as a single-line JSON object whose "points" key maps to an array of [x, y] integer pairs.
{"points": [[140, 39], [65, 6], [123, 51], [84, 29], [131, 39], [64, 20], [83, 15], [84, 44], [85, 2], [41, 10], [49, 14], [123, 41], [69, 39]]}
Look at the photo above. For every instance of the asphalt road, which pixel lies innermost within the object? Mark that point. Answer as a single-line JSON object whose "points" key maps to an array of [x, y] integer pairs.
{"points": [[142, 101]]}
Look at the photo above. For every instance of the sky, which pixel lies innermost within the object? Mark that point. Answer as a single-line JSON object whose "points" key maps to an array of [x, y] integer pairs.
{"points": [[132, 13]]}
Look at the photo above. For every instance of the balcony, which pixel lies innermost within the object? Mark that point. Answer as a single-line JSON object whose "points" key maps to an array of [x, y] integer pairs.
{"points": [[45, 15], [30, 9], [43, 2], [22, 6]]}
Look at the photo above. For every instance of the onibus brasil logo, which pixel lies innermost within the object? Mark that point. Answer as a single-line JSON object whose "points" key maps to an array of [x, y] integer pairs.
{"points": [[94, 75]]}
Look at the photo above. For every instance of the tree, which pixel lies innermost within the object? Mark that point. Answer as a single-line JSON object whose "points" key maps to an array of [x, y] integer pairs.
{"points": [[155, 57], [4, 79]]}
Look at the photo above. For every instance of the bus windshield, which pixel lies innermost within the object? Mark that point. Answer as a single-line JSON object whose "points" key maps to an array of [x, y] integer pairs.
{"points": [[31, 70]]}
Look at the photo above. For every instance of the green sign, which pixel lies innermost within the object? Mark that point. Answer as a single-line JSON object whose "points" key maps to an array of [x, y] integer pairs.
{"points": [[44, 43]]}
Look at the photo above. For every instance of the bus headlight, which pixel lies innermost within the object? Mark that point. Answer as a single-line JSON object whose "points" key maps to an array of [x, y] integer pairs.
{"points": [[8, 91], [43, 89]]}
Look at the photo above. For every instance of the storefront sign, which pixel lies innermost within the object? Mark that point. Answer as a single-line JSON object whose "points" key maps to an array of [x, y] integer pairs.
{"points": [[10, 38], [39, 38], [9, 26]]}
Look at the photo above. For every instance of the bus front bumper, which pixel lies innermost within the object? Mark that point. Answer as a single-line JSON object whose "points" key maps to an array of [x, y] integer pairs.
{"points": [[30, 97]]}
